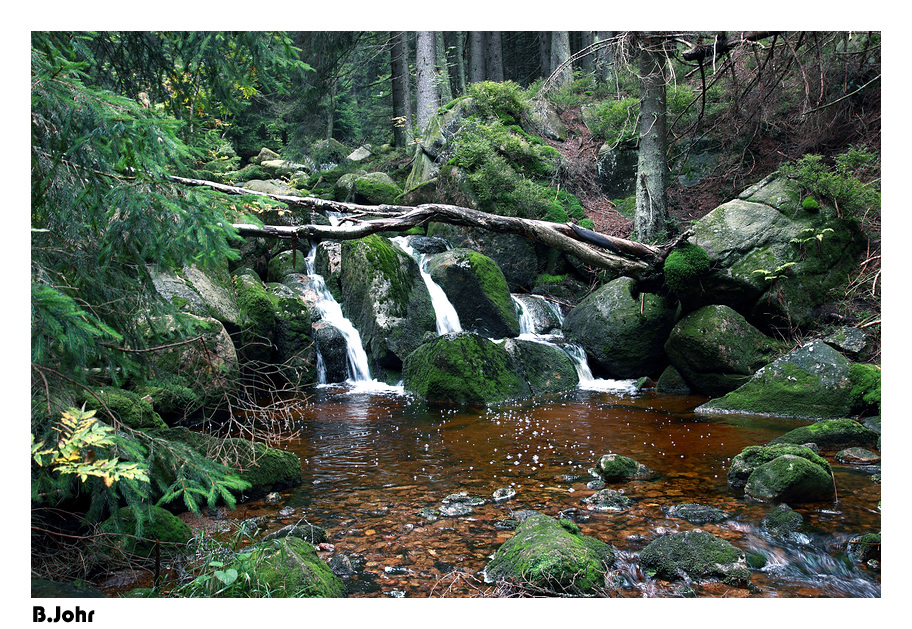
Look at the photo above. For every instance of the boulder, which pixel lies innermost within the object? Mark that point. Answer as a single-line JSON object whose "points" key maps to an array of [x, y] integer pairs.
{"points": [[716, 350], [546, 367], [332, 351], [537, 315], [782, 522], [258, 320], [696, 555], [696, 513], [615, 170], [295, 352], [386, 299], [551, 555], [476, 287], [622, 331], [128, 407], [790, 478], [308, 532], [831, 435], [158, 525], [810, 382], [208, 293], [752, 457], [672, 382], [544, 120], [615, 467], [287, 567], [463, 368], [607, 500]]}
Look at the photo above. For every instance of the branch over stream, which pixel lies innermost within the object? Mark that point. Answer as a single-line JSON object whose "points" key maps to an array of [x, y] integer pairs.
{"points": [[599, 250]]}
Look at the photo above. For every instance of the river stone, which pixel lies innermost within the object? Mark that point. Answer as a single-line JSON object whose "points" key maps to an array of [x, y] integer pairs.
{"points": [[503, 494], [782, 522], [695, 554], [546, 368], [463, 368], [833, 434], [716, 350], [333, 350], [696, 513], [790, 479], [386, 299], [864, 548], [456, 510], [622, 331], [258, 320], [464, 498], [615, 467], [857, 456], [551, 555], [809, 382], [295, 350], [478, 290], [672, 382], [307, 532], [607, 500], [752, 457]]}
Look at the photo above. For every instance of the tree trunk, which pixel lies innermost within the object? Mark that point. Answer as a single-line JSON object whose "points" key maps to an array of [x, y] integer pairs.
{"points": [[604, 58], [586, 39], [650, 220], [493, 56], [476, 57], [443, 71], [560, 55], [427, 101], [460, 62], [402, 108]]}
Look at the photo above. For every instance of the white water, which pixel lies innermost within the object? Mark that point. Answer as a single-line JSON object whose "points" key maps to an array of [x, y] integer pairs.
{"points": [[576, 353], [358, 370], [447, 319]]}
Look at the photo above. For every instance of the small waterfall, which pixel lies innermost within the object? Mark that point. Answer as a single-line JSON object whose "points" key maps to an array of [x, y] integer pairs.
{"points": [[447, 319], [528, 330], [331, 313]]}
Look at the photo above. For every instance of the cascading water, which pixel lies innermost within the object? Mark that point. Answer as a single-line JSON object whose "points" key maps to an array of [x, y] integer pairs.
{"points": [[447, 319], [528, 326]]}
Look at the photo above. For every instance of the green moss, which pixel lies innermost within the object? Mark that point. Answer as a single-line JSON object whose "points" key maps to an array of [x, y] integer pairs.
{"points": [[684, 266], [696, 553], [865, 387], [791, 479], [257, 311], [128, 408], [831, 434], [157, 525], [810, 204], [752, 457], [493, 285]]}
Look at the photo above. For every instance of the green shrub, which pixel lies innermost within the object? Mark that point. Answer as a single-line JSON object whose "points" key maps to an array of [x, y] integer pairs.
{"points": [[851, 185], [503, 100], [614, 121], [685, 264]]}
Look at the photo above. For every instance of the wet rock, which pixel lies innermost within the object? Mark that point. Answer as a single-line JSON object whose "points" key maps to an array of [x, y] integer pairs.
{"points": [[696, 513], [551, 555], [607, 500], [695, 554], [615, 467], [503, 494], [465, 499], [341, 565], [455, 510], [307, 532], [850, 341], [752, 457], [273, 497], [831, 435], [429, 514], [546, 368], [857, 456], [790, 478], [782, 522], [864, 548], [672, 382], [286, 512]]}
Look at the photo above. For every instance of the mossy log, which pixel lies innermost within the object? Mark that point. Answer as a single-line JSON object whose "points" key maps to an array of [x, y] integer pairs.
{"points": [[625, 257]]}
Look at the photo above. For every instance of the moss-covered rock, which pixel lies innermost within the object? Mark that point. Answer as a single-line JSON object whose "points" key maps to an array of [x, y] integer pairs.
{"points": [[865, 392], [696, 554], [696, 513], [159, 525], [546, 555], [752, 457], [286, 263], [295, 350], [864, 548], [684, 267], [789, 478], [672, 382], [616, 467], [287, 567], [782, 522], [810, 382], [463, 368], [623, 331], [478, 290], [386, 299], [258, 321], [607, 500], [831, 435], [716, 350], [546, 368], [128, 408], [375, 189]]}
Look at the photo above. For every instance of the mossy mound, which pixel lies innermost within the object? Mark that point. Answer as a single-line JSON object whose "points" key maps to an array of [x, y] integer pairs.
{"points": [[684, 266], [789, 478], [171, 533], [697, 554], [833, 434], [752, 457], [287, 567], [463, 368], [865, 388], [548, 555], [615, 467], [257, 318], [546, 368], [782, 522], [128, 408]]}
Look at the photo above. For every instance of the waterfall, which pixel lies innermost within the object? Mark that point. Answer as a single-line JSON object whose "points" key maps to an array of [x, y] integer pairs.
{"points": [[528, 326], [447, 319], [331, 312]]}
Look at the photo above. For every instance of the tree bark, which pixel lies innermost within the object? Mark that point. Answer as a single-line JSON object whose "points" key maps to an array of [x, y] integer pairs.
{"points": [[444, 90], [427, 100], [623, 257], [402, 109], [560, 55], [651, 216], [460, 62], [493, 47], [476, 57]]}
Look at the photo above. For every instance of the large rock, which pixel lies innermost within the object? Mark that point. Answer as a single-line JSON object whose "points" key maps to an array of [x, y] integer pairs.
{"points": [[791, 479], [295, 352], [258, 321], [616, 467], [810, 382], [158, 525], [622, 331], [478, 291], [546, 367], [752, 457], [208, 293], [695, 554], [386, 299], [831, 435], [464, 368], [716, 350], [753, 237], [551, 555]]}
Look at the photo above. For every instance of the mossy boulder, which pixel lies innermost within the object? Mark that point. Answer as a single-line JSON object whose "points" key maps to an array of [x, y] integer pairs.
{"points": [[386, 299], [158, 525], [478, 290], [607, 500], [716, 350], [616, 467], [258, 321], [696, 513], [752, 457], [286, 263], [375, 189], [791, 479], [546, 368], [204, 293], [128, 408], [288, 567], [696, 555], [672, 382], [295, 350], [622, 330], [810, 382], [464, 368], [547, 554], [831, 435], [782, 522], [865, 393]]}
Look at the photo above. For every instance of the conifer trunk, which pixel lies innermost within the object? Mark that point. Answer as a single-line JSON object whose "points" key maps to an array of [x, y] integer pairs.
{"points": [[651, 217]]}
